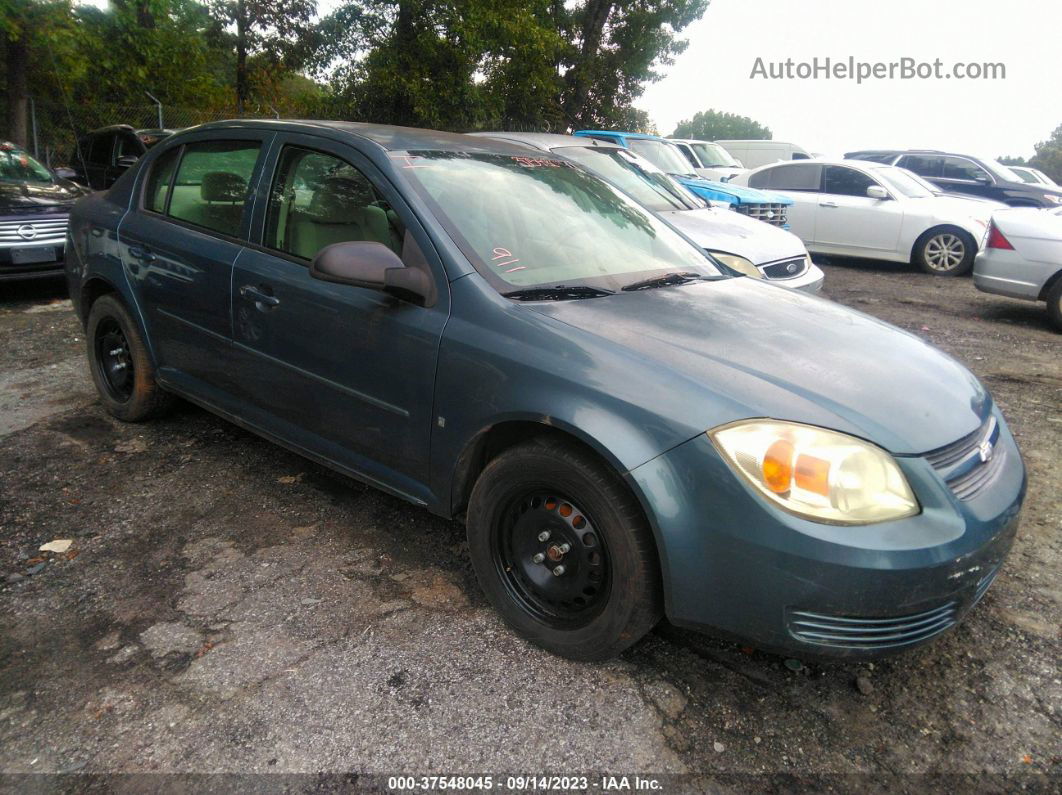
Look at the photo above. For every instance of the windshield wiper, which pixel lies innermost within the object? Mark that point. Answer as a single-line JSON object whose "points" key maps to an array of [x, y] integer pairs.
{"points": [[560, 292], [665, 280]]}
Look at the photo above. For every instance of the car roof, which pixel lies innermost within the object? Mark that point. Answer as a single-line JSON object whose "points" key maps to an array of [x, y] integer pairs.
{"points": [[388, 137], [829, 161], [640, 136], [547, 141]]}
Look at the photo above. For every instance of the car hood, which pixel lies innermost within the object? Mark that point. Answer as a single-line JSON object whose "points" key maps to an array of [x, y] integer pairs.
{"points": [[733, 233], [742, 194], [24, 196], [740, 348]]}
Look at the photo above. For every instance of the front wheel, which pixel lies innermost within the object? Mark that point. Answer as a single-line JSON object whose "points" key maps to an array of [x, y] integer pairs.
{"points": [[946, 251], [563, 551], [1054, 304]]}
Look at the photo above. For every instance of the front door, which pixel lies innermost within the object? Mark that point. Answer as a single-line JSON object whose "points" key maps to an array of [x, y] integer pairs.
{"points": [[849, 219], [345, 372], [179, 245]]}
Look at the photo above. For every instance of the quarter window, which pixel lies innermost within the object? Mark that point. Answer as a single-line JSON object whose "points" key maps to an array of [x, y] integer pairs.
{"points": [[843, 181], [802, 177], [158, 184], [211, 186], [318, 199], [960, 168]]}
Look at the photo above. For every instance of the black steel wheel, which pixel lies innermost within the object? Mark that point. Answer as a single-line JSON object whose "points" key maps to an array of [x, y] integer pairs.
{"points": [[563, 551], [120, 364]]}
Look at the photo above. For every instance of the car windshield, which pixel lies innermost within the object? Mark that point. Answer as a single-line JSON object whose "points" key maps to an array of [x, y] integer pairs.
{"points": [[661, 154], [1000, 171], [714, 156], [17, 166], [526, 221], [904, 182], [635, 176]]}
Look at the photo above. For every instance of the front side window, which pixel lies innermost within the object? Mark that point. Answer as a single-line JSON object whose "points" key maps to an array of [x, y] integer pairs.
{"points": [[961, 168], [663, 155], [317, 200], [17, 166], [804, 177], [211, 186], [842, 181], [542, 221], [634, 176]]}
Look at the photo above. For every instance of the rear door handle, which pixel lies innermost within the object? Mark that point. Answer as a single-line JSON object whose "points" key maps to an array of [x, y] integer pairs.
{"points": [[827, 204], [142, 254], [263, 301]]}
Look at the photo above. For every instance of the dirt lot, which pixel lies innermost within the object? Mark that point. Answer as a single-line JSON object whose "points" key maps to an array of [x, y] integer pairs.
{"points": [[227, 606]]}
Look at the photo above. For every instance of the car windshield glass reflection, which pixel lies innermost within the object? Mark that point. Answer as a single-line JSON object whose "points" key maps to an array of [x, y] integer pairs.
{"points": [[663, 155], [638, 178], [17, 166], [714, 156], [543, 221]]}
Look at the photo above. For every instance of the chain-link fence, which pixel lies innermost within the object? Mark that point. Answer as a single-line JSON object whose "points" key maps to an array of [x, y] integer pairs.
{"points": [[54, 128]]}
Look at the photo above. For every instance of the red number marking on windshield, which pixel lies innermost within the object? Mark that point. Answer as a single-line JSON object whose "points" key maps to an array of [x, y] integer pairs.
{"points": [[505, 254], [409, 161]]}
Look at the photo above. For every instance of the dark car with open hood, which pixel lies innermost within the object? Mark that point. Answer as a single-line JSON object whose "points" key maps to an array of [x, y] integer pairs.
{"points": [[628, 429], [34, 206]]}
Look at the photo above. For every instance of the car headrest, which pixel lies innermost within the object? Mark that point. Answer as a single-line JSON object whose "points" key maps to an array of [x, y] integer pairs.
{"points": [[223, 186], [337, 198]]}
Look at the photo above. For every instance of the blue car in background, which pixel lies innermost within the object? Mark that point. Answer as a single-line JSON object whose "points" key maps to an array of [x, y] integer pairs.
{"points": [[662, 153]]}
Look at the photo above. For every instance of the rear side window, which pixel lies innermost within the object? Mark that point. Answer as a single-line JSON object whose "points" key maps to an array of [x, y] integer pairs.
{"points": [[318, 199], [922, 166], [843, 181], [211, 185], [158, 185], [803, 177]]}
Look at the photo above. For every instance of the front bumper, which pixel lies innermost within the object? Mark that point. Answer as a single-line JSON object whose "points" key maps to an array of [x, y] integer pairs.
{"points": [[810, 281], [737, 566]]}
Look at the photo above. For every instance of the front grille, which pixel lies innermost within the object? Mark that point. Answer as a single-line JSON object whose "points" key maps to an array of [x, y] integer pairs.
{"points": [[856, 632], [972, 463], [771, 213], [34, 232], [786, 269]]}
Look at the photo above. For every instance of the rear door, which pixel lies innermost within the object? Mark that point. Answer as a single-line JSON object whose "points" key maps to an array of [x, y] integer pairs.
{"points": [[179, 243], [345, 372], [848, 219], [801, 182]]}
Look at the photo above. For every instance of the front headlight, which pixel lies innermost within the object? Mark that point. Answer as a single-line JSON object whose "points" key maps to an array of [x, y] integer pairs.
{"points": [[1053, 198], [739, 264], [821, 475]]}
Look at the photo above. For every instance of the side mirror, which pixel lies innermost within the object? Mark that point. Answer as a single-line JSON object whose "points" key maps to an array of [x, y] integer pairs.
{"points": [[878, 192], [373, 266], [126, 161], [982, 179]]}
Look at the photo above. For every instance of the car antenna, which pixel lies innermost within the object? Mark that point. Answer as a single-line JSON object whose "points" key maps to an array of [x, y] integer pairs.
{"points": [[66, 107]]}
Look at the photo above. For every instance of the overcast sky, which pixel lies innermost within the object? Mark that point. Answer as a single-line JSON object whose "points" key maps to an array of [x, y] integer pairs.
{"points": [[990, 117]]}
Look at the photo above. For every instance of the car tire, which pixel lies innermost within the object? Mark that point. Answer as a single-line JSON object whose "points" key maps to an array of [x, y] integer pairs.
{"points": [[945, 251], [121, 367], [608, 595], [1054, 304]]}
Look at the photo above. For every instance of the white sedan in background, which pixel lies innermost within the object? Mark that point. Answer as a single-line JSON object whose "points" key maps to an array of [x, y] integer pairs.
{"points": [[1023, 258], [1033, 176], [856, 208]]}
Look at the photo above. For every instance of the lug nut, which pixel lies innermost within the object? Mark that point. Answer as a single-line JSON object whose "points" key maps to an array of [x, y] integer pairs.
{"points": [[565, 548], [538, 558], [557, 572], [544, 535]]}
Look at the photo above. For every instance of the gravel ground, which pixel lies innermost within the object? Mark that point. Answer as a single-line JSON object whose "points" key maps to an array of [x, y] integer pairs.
{"points": [[229, 607]]}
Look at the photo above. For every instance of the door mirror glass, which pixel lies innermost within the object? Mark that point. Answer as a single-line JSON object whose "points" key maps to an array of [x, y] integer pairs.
{"points": [[877, 192], [373, 266]]}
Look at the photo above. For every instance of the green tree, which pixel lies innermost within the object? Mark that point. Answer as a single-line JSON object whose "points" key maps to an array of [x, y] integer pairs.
{"points": [[269, 29], [1048, 157], [712, 125]]}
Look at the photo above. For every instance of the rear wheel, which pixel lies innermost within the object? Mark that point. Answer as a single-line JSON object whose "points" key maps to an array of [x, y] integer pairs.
{"points": [[121, 367], [563, 551], [1054, 304], [946, 251]]}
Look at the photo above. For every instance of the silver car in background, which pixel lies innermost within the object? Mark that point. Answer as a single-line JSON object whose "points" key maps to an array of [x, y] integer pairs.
{"points": [[743, 244], [1022, 258]]}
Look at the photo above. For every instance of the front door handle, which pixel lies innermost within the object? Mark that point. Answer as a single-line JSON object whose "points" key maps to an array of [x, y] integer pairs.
{"points": [[827, 204], [263, 301]]}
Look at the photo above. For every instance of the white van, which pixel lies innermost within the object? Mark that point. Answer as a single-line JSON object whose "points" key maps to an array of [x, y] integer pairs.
{"points": [[754, 154]]}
